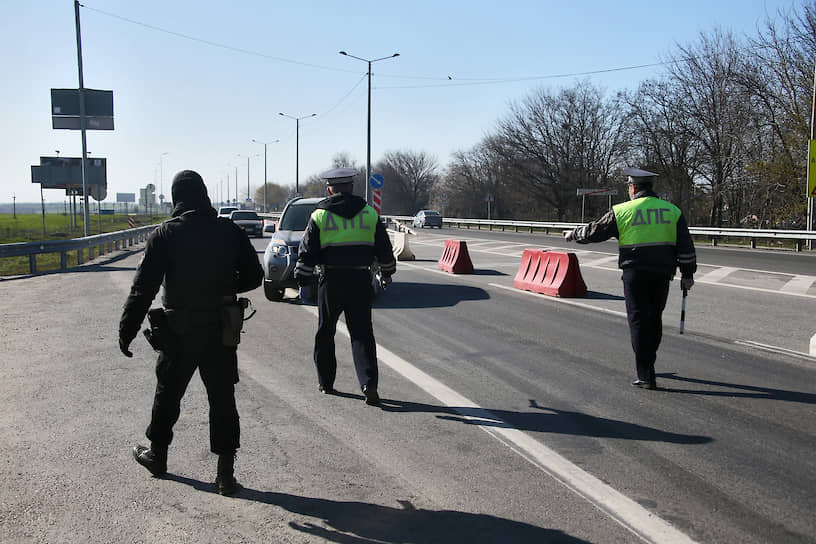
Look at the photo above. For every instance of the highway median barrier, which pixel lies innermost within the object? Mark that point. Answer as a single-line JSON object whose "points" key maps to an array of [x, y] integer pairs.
{"points": [[552, 273], [402, 250], [455, 258]]}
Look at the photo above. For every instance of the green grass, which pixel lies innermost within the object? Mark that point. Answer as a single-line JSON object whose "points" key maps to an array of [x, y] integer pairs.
{"points": [[29, 228]]}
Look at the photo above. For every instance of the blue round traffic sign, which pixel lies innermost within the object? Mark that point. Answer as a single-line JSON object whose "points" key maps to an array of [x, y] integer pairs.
{"points": [[376, 181]]}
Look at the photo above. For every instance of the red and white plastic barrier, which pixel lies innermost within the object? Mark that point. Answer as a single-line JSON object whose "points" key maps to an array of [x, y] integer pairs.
{"points": [[552, 273]]}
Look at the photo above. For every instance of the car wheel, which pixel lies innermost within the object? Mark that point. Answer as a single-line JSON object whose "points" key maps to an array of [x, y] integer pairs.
{"points": [[273, 292]]}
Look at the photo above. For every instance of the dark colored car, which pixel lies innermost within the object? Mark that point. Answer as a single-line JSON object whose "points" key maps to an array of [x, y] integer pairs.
{"points": [[249, 221], [428, 218]]}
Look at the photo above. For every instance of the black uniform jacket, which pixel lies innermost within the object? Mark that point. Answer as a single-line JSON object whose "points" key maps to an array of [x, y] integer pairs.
{"points": [[200, 258], [659, 258], [310, 254]]}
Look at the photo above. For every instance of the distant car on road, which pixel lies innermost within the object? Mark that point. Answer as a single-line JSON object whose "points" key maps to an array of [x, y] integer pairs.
{"points": [[249, 221], [225, 211], [428, 218], [281, 254]]}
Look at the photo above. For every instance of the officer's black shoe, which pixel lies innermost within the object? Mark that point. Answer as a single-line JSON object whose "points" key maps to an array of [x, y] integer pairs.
{"points": [[644, 384], [226, 486], [225, 481], [371, 396], [326, 390], [155, 462]]}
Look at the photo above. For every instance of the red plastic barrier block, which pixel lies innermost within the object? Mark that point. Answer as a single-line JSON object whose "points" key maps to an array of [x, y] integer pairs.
{"points": [[455, 258], [550, 273]]}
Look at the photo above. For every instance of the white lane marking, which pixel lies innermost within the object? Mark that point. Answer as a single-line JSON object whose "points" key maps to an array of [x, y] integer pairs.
{"points": [[716, 275], [798, 284], [560, 300], [598, 262], [813, 345], [628, 513], [777, 349]]}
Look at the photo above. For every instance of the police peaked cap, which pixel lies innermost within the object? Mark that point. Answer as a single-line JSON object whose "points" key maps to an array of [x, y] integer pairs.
{"points": [[642, 176], [339, 176]]}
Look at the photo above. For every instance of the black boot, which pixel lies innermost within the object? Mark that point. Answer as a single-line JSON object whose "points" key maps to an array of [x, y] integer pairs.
{"points": [[153, 458], [225, 479]]}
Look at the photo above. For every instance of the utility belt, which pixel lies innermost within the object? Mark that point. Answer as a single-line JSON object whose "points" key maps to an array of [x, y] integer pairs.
{"points": [[346, 267], [167, 324]]}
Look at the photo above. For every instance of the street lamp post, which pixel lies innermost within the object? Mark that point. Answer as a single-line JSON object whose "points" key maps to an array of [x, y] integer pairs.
{"points": [[161, 178], [368, 138], [297, 145], [265, 206]]}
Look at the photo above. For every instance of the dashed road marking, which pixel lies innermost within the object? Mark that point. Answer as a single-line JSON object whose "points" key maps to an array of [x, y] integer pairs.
{"points": [[716, 275], [798, 284]]}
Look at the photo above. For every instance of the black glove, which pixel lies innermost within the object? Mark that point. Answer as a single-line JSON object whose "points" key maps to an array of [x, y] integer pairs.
{"points": [[123, 347]]}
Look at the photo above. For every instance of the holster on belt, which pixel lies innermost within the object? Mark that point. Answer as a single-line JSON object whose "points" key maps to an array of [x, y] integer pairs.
{"points": [[159, 332], [232, 320]]}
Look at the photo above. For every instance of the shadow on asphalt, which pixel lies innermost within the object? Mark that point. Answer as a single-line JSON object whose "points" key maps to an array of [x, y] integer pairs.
{"points": [[595, 295], [427, 295], [353, 522], [548, 420], [742, 391]]}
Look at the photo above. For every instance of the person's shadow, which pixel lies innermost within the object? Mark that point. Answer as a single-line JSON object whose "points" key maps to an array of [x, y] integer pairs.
{"points": [[736, 390], [547, 420], [354, 522]]}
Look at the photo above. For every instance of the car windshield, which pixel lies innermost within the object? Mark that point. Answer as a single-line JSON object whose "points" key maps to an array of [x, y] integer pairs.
{"points": [[244, 215], [297, 217], [430, 213], [226, 210]]}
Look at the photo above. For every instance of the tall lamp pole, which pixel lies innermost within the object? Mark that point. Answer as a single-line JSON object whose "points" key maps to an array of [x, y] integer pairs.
{"points": [[161, 178], [265, 206], [368, 138], [297, 145]]}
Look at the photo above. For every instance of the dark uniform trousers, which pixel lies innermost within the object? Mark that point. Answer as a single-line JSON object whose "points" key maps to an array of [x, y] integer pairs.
{"points": [[217, 364], [645, 292], [346, 291]]}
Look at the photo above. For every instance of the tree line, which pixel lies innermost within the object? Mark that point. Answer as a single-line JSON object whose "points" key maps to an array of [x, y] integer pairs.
{"points": [[726, 125]]}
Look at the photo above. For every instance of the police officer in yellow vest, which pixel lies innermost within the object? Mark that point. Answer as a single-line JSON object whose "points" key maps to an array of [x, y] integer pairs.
{"points": [[344, 236], [653, 241]]}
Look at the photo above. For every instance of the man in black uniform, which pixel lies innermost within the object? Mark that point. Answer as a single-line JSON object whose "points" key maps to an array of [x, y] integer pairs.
{"points": [[344, 235], [204, 261], [653, 240]]}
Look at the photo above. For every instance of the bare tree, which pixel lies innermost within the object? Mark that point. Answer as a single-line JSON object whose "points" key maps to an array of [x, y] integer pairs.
{"points": [[555, 143], [718, 107], [471, 177], [409, 178], [778, 74], [662, 138], [275, 194]]}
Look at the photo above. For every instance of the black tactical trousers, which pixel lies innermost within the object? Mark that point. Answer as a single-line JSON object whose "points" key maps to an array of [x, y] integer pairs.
{"points": [[645, 292], [346, 292], [217, 366]]}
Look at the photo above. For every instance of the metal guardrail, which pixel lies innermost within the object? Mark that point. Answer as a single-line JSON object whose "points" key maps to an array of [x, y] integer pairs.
{"points": [[105, 242], [799, 236], [125, 238]]}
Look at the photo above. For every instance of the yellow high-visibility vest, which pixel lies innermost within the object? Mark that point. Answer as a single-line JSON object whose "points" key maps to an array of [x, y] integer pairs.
{"points": [[336, 230], [646, 221]]}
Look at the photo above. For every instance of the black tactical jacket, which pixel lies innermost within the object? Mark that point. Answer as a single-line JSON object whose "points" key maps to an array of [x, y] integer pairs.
{"points": [[199, 258]]}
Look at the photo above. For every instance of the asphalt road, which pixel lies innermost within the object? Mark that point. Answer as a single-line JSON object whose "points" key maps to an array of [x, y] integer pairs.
{"points": [[507, 416]]}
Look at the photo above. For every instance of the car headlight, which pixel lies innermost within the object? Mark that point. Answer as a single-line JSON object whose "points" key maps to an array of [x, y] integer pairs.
{"points": [[280, 250]]}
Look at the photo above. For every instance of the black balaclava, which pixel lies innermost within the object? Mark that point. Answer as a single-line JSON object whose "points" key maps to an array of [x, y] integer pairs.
{"points": [[189, 193]]}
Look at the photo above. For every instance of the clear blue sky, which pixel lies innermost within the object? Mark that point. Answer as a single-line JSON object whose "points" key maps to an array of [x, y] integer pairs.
{"points": [[203, 100]]}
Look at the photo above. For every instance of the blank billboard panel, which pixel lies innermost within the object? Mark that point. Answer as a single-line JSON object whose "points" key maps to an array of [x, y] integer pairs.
{"points": [[66, 172]]}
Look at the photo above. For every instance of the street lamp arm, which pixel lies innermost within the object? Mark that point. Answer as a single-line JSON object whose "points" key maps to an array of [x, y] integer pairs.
{"points": [[367, 60]]}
